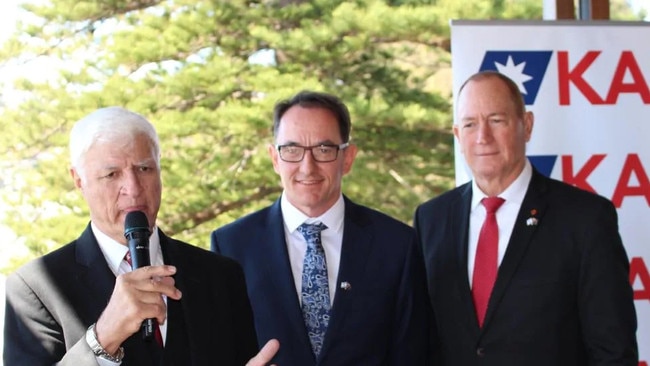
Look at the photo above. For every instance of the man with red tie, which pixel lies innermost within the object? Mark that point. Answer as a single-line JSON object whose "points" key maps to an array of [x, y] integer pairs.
{"points": [[522, 269]]}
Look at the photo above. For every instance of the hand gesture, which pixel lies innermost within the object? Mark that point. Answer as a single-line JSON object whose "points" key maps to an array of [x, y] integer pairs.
{"points": [[266, 354], [138, 295]]}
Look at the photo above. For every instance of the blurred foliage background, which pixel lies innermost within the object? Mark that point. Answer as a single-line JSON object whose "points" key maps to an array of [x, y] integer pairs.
{"points": [[207, 73]]}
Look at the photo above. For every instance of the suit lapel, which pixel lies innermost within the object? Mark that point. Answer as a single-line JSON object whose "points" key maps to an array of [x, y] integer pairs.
{"points": [[533, 205], [94, 275], [357, 243], [459, 229], [182, 315]]}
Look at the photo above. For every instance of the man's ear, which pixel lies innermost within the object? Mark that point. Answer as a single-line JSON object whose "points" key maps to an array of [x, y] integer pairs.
{"points": [[274, 154], [76, 178], [350, 153], [529, 121]]}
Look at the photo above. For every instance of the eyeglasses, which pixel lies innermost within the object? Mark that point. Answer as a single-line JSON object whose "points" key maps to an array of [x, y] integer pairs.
{"points": [[321, 153]]}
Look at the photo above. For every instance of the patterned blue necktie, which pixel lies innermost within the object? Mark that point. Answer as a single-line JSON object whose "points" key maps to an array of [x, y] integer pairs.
{"points": [[315, 290]]}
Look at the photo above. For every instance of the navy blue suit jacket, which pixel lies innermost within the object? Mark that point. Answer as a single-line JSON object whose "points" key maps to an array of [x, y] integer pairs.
{"points": [[380, 320], [52, 300], [562, 296]]}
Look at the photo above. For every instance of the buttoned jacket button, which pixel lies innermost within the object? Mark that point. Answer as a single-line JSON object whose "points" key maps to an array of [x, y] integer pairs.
{"points": [[480, 352]]}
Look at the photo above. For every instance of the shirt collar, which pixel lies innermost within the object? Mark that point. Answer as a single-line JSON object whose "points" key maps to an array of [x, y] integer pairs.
{"points": [[515, 192], [293, 217], [114, 252]]}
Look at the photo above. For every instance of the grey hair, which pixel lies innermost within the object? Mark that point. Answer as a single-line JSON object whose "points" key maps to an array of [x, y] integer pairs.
{"points": [[107, 125]]}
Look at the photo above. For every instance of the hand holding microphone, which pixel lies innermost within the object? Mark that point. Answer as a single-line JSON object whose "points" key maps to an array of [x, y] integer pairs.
{"points": [[138, 294], [136, 232]]}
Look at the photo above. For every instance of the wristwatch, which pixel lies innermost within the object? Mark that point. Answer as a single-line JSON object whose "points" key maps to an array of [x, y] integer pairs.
{"points": [[98, 350]]}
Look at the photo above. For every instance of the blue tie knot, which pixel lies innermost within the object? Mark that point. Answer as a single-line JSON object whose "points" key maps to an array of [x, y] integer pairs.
{"points": [[311, 232]]}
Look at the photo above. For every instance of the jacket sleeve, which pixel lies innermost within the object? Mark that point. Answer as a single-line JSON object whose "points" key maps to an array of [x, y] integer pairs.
{"points": [[32, 336], [605, 296], [410, 345]]}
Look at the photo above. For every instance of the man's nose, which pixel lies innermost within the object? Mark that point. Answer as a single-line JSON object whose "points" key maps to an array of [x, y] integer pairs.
{"points": [[308, 162], [484, 132], [131, 184]]}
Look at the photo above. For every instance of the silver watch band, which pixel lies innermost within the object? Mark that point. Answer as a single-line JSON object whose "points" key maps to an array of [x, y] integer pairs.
{"points": [[98, 350]]}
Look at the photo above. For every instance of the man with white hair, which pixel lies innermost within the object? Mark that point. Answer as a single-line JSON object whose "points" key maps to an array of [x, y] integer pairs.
{"points": [[83, 305]]}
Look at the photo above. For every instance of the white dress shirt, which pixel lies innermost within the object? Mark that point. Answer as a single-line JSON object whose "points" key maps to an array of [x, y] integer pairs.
{"points": [[506, 215], [114, 253], [331, 238]]}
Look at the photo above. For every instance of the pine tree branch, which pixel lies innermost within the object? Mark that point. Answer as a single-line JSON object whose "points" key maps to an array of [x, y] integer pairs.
{"points": [[177, 223]]}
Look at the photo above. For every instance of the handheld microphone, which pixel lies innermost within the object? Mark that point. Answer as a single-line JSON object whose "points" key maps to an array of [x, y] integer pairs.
{"points": [[136, 232]]}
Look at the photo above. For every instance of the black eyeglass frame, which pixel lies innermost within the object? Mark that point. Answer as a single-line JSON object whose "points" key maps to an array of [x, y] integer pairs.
{"points": [[340, 147]]}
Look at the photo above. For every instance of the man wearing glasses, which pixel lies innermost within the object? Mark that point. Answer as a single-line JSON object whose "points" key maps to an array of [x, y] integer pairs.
{"points": [[335, 282]]}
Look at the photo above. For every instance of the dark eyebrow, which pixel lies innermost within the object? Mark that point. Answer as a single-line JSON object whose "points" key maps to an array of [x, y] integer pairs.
{"points": [[320, 143]]}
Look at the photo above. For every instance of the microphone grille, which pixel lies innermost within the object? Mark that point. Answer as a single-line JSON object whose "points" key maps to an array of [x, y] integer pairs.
{"points": [[135, 220]]}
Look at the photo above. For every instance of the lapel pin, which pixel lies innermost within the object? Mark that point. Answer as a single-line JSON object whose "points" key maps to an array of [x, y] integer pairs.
{"points": [[532, 221], [345, 286]]}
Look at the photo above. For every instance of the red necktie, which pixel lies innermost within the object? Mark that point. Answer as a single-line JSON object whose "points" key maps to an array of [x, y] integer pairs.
{"points": [[156, 332], [486, 260]]}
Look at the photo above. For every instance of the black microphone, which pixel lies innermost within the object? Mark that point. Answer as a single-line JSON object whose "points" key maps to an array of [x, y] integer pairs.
{"points": [[136, 232]]}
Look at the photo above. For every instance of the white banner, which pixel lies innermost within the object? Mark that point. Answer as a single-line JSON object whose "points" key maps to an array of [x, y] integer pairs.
{"points": [[587, 84]]}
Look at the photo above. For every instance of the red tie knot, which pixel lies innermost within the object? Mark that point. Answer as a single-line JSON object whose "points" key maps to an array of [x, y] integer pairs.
{"points": [[492, 204]]}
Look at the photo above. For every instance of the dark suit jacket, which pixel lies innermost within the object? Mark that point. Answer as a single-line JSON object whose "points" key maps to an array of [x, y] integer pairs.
{"points": [[51, 302], [561, 297], [380, 320]]}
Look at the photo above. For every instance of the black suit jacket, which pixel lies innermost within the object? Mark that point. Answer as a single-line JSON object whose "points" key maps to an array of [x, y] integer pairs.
{"points": [[379, 320], [562, 294], [52, 300]]}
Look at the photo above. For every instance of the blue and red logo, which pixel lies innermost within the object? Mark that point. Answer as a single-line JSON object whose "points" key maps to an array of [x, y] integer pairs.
{"points": [[526, 68]]}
